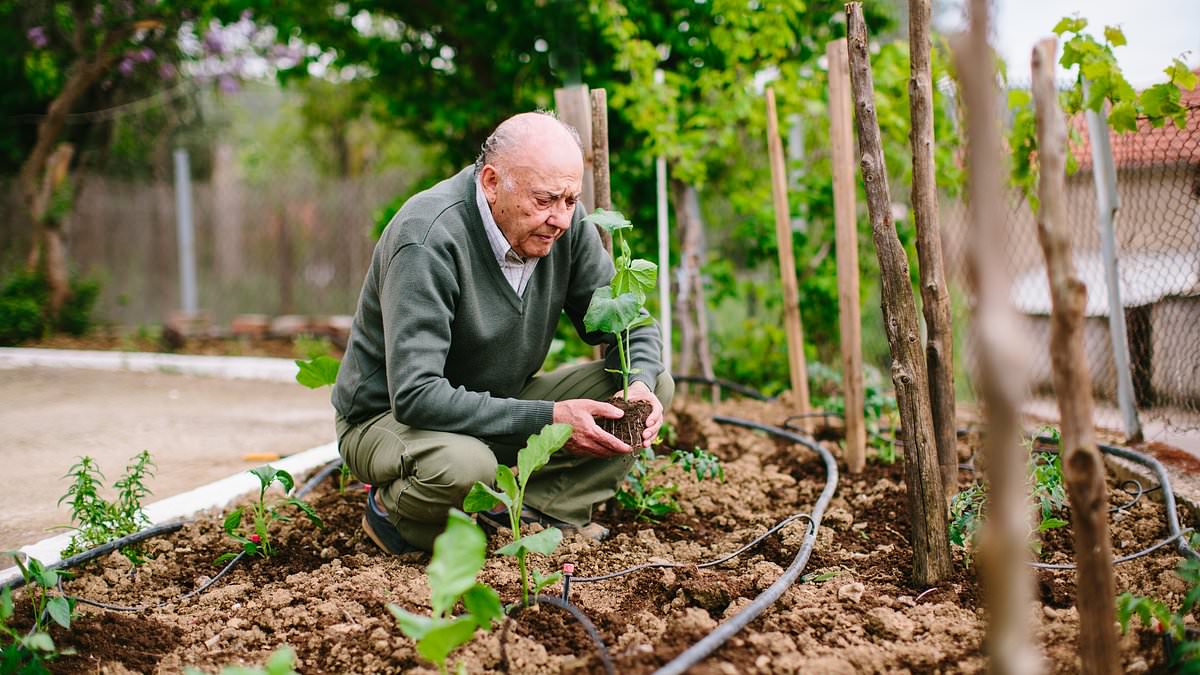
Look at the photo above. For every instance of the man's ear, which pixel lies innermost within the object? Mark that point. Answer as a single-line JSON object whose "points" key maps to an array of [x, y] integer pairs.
{"points": [[489, 178]]}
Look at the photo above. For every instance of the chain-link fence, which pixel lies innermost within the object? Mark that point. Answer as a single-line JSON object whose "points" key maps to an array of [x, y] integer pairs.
{"points": [[1157, 231]]}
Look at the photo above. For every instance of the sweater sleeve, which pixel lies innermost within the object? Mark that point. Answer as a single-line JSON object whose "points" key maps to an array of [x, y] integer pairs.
{"points": [[416, 334], [592, 268]]}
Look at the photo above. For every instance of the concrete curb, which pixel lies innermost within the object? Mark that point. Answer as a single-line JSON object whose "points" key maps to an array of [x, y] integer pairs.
{"points": [[227, 367], [182, 506]]}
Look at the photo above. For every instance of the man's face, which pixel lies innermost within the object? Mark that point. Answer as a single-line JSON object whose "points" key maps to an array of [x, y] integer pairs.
{"points": [[533, 201]]}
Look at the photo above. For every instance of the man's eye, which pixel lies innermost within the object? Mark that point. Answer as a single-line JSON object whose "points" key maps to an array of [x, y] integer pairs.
{"points": [[544, 202], [570, 202]]}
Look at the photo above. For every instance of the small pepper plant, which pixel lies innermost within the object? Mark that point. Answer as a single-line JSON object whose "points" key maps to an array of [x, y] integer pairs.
{"points": [[617, 308], [651, 499], [258, 540], [512, 495], [458, 555], [27, 652]]}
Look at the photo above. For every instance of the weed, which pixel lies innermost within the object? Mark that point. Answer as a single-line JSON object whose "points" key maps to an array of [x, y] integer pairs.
{"points": [[29, 653], [966, 515], [98, 521], [1155, 615], [258, 542], [512, 495], [458, 555], [653, 500]]}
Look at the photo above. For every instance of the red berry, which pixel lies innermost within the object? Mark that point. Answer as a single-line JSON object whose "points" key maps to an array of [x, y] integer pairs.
{"points": [[255, 538]]}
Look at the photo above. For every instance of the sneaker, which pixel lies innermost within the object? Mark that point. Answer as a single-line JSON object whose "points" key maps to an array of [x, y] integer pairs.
{"points": [[381, 530], [493, 521]]}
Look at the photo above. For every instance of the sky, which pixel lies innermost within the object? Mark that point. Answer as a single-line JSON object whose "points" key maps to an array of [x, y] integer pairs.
{"points": [[1156, 30]]}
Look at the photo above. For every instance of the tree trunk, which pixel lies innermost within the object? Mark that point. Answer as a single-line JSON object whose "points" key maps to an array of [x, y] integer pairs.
{"points": [[926, 496], [1083, 468], [935, 297], [690, 305], [1000, 352]]}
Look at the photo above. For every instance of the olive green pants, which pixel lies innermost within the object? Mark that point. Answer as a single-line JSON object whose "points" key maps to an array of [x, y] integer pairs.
{"points": [[420, 474]]}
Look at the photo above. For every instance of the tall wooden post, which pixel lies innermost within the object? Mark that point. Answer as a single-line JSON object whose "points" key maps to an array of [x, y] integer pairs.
{"points": [[841, 143], [926, 496], [935, 297], [1082, 465], [787, 262], [601, 185], [1000, 353]]}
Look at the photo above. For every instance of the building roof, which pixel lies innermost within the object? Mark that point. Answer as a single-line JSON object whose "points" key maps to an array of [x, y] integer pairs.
{"points": [[1149, 146], [1145, 278]]}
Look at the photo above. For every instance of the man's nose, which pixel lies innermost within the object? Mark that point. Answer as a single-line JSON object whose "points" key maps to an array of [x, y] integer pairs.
{"points": [[560, 216]]}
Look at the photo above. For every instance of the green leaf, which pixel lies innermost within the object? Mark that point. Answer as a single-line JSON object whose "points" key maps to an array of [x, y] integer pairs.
{"points": [[1123, 117], [40, 642], [1051, 524], [1181, 76], [506, 481], [611, 315], [1125, 608], [609, 220], [1019, 98], [1160, 100], [1069, 25], [539, 448], [543, 542], [458, 555], [233, 520], [484, 498], [445, 638], [484, 605], [60, 610], [307, 510], [1114, 35], [6, 604], [415, 626], [639, 278], [540, 582], [281, 662], [318, 372]]}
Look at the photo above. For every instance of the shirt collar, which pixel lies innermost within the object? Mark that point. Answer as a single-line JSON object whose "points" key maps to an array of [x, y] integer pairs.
{"points": [[500, 246]]}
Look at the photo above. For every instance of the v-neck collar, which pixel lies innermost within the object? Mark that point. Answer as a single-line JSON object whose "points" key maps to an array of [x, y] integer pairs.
{"points": [[484, 246]]}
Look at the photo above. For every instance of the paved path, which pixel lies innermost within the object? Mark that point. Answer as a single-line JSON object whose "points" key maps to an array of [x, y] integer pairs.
{"points": [[197, 429]]}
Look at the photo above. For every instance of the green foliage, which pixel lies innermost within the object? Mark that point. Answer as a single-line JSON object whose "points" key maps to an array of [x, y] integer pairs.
{"points": [[966, 515], [24, 298], [511, 495], [98, 521], [1093, 62], [652, 499], [28, 653], [257, 541], [317, 372], [619, 307], [458, 555], [281, 662], [1155, 615]]}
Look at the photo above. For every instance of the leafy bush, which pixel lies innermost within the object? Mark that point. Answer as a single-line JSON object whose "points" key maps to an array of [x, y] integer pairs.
{"points": [[28, 652], [1155, 615], [23, 300], [98, 521]]}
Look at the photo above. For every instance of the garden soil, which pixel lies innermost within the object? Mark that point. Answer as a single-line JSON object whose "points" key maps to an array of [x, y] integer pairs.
{"points": [[196, 429], [855, 610]]}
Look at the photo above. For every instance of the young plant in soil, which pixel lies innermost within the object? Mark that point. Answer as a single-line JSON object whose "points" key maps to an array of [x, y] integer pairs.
{"points": [[1154, 614], [28, 652], [512, 495], [652, 500], [98, 521], [458, 555], [617, 309], [281, 662], [258, 541]]}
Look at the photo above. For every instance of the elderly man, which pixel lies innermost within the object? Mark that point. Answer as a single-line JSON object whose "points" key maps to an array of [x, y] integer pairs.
{"points": [[440, 379]]}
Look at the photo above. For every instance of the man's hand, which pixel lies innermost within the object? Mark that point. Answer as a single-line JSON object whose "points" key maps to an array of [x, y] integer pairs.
{"points": [[638, 391], [588, 438]]}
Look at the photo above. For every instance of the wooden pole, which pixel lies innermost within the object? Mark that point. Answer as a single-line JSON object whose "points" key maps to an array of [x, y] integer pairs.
{"points": [[787, 262], [1082, 465], [601, 186], [1000, 351], [841, 143], [573, 105], [926, 496], [935, 297]]}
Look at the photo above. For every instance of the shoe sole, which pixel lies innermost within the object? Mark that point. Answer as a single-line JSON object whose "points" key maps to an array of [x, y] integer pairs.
{"points": [[366, 525]]}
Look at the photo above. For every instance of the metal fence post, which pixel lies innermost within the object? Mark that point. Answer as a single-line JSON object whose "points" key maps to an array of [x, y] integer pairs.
{"points": [[1107, 202], [186, 231], [664, 252]]}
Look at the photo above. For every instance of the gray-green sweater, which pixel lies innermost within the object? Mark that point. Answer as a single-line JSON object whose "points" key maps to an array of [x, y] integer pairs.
{"points": [[441, 339]]}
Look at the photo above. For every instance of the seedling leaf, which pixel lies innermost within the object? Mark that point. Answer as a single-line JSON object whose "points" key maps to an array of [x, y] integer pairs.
{"points": [[639, 278], [1051, 524], [39, 642], [611, 315], [539, 448], [60, 610], [483, 603], [543, 542], [609, 220], [318, 372], [484, 498], [444, 637], [540, 582], [307, 510], [506, 481], [6, 604], [415, 626], [457, 557]]}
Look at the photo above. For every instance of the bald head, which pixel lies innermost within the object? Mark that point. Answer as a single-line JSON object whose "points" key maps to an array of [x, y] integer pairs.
{"points": [[527, 139]]}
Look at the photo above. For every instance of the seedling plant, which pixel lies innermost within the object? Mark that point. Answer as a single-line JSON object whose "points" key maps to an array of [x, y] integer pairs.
{"points": [[458, 555], [28, 653], [512, 496], [258, 540], [1155, 615], [619, 307], [98, 521], [652, 500]]}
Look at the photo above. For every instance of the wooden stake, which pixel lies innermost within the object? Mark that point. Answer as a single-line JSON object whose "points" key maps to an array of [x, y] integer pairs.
{"points": [[601, 186], [841, 143], [1000, 351], [787, 263], [926, 496], [935, 297], [573, 105], [1082, 465]]}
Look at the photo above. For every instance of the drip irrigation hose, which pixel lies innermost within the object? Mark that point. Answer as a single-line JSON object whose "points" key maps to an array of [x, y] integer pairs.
{"points": [[312, 483], [711, 563], [694, 654], [576, 613], [748, 392], [1116, 561]]}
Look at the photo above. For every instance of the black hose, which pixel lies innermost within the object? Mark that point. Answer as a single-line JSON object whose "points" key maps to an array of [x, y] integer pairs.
{"points": [[694, 654], [588, 627], [1160, 472], [325, 472]]}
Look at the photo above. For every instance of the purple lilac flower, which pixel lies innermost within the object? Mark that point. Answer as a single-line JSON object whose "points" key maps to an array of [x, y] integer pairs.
{"points": [[37, 37], [213, 43], [166, 71], [126, 66], [228, 84], [144, 55]]}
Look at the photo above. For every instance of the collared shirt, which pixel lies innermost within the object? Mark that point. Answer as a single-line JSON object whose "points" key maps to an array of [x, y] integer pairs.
{"points": [[516, 269]]}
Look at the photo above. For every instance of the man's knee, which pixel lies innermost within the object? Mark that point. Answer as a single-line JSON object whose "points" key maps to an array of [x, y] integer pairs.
{"points": [[457, 466]]}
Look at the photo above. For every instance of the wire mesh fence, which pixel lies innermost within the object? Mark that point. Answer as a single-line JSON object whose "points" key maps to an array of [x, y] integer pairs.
{"points": [[1157, 231]]}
